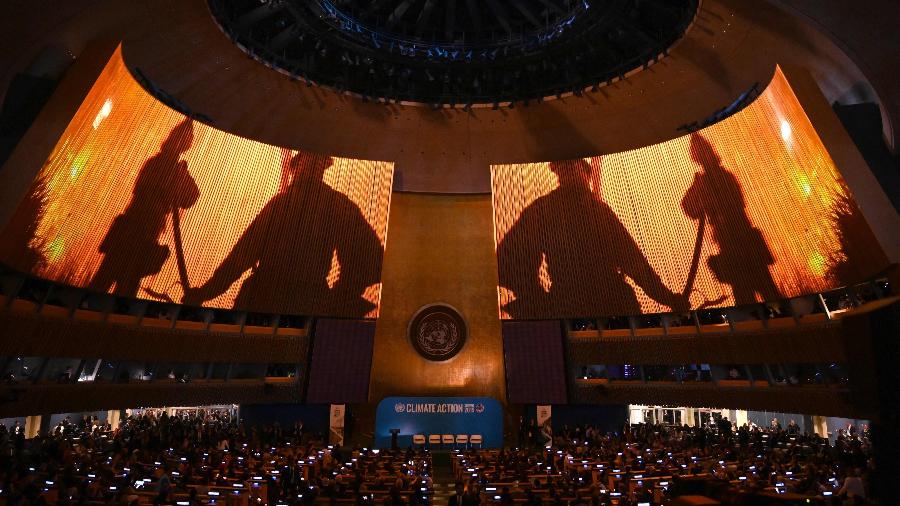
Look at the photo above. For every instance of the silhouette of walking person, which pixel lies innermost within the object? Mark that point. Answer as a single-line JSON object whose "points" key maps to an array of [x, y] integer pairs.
{"points": [[164, 185], [289, 248], [744, 258], [587, 250]]}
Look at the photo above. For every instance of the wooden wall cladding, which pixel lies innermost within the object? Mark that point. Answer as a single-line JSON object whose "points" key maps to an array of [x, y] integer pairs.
{"points": [[138, 200], [31, 335], [44, 399], [441, 252], [812, 343], [535, 365], [750, 209], [341, 361]]}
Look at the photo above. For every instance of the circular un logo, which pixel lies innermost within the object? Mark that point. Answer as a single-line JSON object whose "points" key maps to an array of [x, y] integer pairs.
{"points": [[399, 407], [437, 332]]}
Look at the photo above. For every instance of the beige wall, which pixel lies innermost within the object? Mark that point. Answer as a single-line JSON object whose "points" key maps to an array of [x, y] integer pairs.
{"points": [[439, 249]]}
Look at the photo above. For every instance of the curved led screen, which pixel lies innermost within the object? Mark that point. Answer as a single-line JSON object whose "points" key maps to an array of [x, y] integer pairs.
{"points": [[750, 209], [138, 200]]}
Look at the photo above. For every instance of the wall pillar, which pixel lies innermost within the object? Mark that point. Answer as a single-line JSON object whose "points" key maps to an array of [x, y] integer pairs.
{"points": [[688, 417], [820, 426], [112, 418], [32, 426]]}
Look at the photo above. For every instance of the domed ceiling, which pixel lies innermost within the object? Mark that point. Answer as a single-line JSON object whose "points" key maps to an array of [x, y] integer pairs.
{"points": [[455, 51]]}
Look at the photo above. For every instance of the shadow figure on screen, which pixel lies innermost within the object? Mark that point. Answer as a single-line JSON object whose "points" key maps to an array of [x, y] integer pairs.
{"points": [[584, 249], [744, 258], [25, 247], [290, 245], [164, 186]]}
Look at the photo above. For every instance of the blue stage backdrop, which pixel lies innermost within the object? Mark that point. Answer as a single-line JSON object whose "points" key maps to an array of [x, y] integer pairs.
{"points": [[438, 415]]}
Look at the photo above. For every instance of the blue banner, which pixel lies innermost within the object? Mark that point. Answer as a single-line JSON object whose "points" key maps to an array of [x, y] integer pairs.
{"points": [[438, 415]]}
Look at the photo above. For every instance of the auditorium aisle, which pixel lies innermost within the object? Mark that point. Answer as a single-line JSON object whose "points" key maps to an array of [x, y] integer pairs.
{"points": [[443, 477]]}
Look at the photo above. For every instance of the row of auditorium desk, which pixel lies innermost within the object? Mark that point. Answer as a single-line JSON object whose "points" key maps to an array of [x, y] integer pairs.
{"points": [[27, 306], [657, 481], [233, 491], [717, 328]]}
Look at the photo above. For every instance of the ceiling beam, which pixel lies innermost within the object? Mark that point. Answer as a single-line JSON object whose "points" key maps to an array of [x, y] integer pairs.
{"points": [[450, 20], [501, 15], [248, 19], [284, 38], [398, 13], [424, 16], [553, 6], [474, 13], [528, 14], [375, 5]]}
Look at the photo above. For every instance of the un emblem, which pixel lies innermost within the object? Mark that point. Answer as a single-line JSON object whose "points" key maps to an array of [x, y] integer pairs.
{"points": [[399, 407], [437, 332]]}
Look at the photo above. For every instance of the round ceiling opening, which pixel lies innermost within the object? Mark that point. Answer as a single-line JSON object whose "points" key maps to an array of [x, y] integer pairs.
{"points": [[455, 51]]}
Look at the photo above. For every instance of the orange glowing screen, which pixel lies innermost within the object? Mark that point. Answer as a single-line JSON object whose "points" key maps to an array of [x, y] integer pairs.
{"points": [[138, 200], [750, 209]]}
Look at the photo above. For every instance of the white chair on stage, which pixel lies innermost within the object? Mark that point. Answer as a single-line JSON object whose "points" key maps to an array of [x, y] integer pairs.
{"points": [[419, 440], [476, 439], [447, 440], [462, 439], [434, 441]]}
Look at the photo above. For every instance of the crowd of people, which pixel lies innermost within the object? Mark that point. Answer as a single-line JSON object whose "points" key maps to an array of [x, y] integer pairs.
{"points": [[646, 464], [209, 457], [201, 457]]}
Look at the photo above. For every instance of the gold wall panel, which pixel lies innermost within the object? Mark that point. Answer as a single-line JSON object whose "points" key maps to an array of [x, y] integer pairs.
{"points": [[440, 250]]}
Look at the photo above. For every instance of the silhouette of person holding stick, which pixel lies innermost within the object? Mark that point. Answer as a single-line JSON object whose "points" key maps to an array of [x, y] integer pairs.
{"points": [[164, 185], [744, 258]]}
